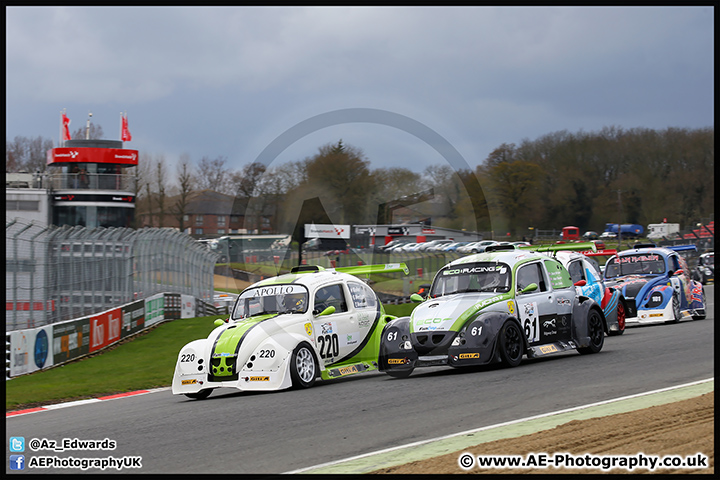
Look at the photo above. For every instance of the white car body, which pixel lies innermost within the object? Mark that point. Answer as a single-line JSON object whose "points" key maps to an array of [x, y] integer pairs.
{"points": [[257, 349]]}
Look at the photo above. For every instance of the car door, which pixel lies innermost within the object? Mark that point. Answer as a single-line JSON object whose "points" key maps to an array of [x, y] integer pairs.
{"points": [[581, 269], [537, 309], [366, 312], [682, 283], [333, 332]]}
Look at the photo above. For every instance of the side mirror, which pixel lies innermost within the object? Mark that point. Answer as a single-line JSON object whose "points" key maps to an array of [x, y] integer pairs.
{"points": [[219, 322], [415, 297], [530, 288], [580, 283], [328, 311]]}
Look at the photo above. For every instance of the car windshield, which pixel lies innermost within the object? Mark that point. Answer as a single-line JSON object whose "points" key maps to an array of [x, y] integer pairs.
{"points": [[473, 277], [635, 264], [271, 299]]}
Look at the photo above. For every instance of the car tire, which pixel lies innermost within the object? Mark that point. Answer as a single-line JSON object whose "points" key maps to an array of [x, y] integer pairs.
{"points": [[621, 315], [596, 332], [675, 308], [510, 344], [303, 367], [399, 373], [703, 315], [201, 395]]}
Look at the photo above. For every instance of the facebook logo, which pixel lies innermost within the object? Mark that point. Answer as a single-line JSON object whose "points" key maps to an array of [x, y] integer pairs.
{"points": [[17, 462], [17, 444]]}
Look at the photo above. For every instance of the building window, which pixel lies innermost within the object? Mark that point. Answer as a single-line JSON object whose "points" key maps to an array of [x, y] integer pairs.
{"points": [[198, 219], [198, 231], [186, 218], [221, 221], [23, 205], [221, 231]]}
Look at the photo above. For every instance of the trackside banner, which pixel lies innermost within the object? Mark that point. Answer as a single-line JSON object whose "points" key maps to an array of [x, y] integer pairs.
{"points": [[327, 231], [36, 349]]}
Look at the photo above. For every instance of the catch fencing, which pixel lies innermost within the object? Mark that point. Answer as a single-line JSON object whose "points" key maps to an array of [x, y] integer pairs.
{"points": [[54, 274]]}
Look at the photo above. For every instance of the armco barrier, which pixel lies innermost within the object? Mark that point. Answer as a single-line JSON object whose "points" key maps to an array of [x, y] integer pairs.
{"points": [[34, 349]]}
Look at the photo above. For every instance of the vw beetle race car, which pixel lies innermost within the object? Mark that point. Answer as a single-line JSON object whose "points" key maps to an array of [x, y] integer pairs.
{"points": [[494, 307], [705, 271], [287, 331], [588, 279], [656, 284]]}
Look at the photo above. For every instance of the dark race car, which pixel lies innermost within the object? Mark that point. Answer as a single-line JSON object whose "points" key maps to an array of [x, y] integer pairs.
{"points": [[496, 306], [705, 270]]}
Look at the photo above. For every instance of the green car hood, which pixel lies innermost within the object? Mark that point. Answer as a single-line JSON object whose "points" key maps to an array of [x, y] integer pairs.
{"points": [[225, 349], [452, 312]]}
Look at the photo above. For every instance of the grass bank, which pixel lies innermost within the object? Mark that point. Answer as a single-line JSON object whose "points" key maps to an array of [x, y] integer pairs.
{"points": [[142, 362]]}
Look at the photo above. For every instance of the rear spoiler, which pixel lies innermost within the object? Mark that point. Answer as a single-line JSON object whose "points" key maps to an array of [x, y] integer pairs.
{"points": [[558, 247], [682, 248], [600, 253], [368, 269]]}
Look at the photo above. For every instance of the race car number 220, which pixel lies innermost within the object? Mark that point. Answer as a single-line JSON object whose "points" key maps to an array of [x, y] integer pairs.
{"points": [[329, 345]]}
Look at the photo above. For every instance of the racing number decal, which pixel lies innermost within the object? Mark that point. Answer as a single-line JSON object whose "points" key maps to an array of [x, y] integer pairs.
{"points": [[187, 357], [532, 332], [270, 353], [531, 322], [329, 345]]}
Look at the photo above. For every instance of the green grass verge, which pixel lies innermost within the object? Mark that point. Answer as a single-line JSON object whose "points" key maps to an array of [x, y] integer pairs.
{"points": [[143, 362], [146, 361]]}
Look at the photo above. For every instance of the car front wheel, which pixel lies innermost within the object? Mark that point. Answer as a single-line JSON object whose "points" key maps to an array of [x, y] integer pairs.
{"points": [[510, 343], [676, 309], [399, 373], [701, 316], [596, 332], [201, 395], [303, 369], [620, 319]]}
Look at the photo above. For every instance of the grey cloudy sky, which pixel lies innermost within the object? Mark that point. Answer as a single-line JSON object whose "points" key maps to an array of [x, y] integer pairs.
{"points": [[230, 82]]}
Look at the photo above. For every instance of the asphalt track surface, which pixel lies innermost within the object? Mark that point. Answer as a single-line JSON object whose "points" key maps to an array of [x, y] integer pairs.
{"points": [[314, 430]]}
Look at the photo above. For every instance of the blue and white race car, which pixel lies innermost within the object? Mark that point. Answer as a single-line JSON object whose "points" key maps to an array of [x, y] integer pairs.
{"points": [[656, 284], [588, 279]]}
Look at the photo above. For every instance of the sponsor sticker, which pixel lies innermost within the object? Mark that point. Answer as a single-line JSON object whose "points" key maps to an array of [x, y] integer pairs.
{"points": [[469, 355], [548, 349], [348, 370], [189, 382], [259, 379]]}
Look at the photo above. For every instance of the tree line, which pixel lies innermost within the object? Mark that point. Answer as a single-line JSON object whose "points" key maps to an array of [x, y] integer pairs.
{"points": [[584, 179]]}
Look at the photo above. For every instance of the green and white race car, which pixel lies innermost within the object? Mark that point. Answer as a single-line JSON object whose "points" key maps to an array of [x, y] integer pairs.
{"points": [[287, 331], [491, 307]]}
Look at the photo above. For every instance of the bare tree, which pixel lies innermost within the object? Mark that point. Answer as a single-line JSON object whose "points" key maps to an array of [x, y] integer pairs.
{"points": [[95, 132], [28, 154], [186, 182], [212, 174], [250, 196], [161, 185]]}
